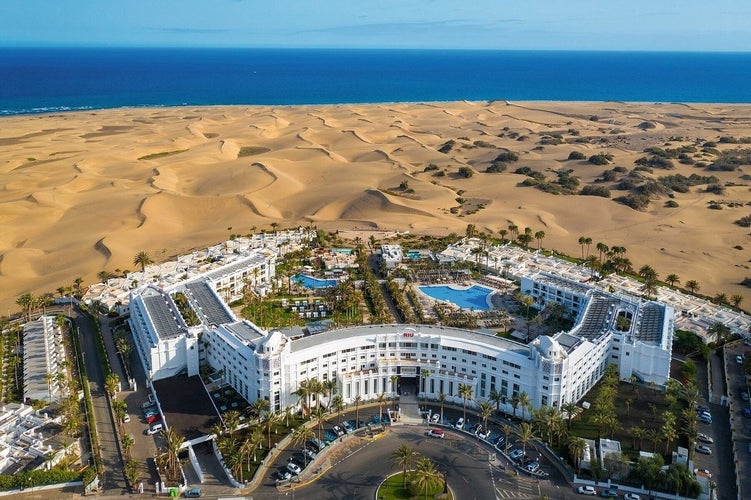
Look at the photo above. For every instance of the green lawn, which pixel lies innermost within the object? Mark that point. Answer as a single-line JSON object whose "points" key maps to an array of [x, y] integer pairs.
{"points": [[392, 489]]}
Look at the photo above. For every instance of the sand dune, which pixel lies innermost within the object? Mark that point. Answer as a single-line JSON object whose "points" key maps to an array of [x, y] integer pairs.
{"points": [[83, 192]]}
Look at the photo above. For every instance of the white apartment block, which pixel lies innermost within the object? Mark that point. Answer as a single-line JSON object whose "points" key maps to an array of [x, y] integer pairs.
{"points": [[369, 360]]}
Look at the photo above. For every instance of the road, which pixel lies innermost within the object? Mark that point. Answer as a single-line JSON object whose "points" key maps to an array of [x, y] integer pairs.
{"points": [[358, 473], [113, 479]]}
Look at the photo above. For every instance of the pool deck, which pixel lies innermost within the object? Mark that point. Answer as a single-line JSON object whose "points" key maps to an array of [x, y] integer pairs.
{"points": [[460, 288]]}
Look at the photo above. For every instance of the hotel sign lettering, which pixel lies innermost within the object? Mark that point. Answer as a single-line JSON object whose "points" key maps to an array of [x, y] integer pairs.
{"points": [[408, 334]]}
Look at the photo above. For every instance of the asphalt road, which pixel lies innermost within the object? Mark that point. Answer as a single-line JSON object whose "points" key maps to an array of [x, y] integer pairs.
{"points": [[113, 480], [357, 473]]}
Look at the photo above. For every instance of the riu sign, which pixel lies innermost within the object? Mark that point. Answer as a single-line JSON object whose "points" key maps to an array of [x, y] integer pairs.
{"points": [[408, 334]]}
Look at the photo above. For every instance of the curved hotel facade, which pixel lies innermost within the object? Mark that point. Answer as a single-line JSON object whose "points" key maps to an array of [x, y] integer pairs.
{"points": [[369, 360]]}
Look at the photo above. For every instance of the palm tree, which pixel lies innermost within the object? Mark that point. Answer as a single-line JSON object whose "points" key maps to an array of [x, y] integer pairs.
{"points": [[525, 436], [720, 299], [271, 418], [26, 301], [486, 410], [583, 242], [426, 476], [496, 397], [301, 435], [602, 248], [576, 448], [320, 416], [381, 399], [424, 374], [506, 428], [142, 259], [330, 387], [256, 437], [693, 286], [719, 331], [572, 411], [233, 461], [672, 279], [357, 401], [394, 380], [127, 442], [173, 442], [111, 383], [465, 392], [515, 403], [539, 235], [48, 377], [736, 300], [404, 456], [338, 404], [303, 395], [231, 420], [247, 450], [442, 400], [524, 403], [592, 262]]}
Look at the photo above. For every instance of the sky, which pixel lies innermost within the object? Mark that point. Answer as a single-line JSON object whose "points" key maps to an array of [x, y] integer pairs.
{"points": [[667, 25]]}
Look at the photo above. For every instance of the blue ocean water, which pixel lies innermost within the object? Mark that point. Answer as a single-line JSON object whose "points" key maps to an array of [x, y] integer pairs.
{"points": [[53, 79]]}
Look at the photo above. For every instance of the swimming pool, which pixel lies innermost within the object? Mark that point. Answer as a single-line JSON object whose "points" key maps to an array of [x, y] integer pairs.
{"points": [[311, 282], [474, 297]]}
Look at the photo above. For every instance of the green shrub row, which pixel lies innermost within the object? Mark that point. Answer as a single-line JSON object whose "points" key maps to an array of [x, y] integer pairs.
{"points": [[37, 478]]}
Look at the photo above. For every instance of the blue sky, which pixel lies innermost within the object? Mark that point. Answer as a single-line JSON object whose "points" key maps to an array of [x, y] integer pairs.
{"points": [[682, 25]]}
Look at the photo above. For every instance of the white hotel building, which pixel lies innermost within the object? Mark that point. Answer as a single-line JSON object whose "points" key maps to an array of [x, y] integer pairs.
{"points": [[363, 359]]}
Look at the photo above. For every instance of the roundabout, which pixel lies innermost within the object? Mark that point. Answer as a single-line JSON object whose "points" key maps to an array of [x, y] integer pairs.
{"points": [[358, 467]]}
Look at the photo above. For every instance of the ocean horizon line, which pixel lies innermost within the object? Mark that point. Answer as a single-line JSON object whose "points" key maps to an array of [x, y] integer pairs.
{"points": [[41, 80]]}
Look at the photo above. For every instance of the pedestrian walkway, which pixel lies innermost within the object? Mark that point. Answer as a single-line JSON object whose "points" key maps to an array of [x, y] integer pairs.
{"points": [[410, 411]]}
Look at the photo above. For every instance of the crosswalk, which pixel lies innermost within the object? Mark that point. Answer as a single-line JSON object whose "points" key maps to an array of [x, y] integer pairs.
{"points": [[519, 487]]}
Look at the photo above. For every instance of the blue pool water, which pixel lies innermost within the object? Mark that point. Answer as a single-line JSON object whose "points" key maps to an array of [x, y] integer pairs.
{"points": [[474, 297], [310, 282]]}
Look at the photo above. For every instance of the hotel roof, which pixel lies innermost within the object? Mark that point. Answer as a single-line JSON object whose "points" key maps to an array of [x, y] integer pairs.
{"points": [[210, 310], [163, 315], [650, 323], [369, 330]]}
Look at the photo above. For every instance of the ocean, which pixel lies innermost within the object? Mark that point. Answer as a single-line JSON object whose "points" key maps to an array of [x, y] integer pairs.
{"points": [[43, 80]]}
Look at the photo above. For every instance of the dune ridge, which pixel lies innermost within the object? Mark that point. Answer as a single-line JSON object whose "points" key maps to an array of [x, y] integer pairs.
{"points": [[75, 199]]}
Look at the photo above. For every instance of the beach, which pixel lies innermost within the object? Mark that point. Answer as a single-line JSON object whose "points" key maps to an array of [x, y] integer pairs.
{"points": [[84, 192]]}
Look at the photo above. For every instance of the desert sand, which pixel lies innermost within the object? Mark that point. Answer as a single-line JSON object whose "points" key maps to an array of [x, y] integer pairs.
{"points": [[81, 193]]}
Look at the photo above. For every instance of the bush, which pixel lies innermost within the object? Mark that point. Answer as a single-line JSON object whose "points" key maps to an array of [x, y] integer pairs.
{"points": [[595, 191], [600, 159], [507, 157], [671, 204], [431, 166], [576, 155], [466, 172], [609, 176], [744, 221], [635, 201], [496, 166], [447, 146]]}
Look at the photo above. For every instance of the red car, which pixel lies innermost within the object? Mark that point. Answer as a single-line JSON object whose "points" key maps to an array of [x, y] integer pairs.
{"points": [[152, 418]]}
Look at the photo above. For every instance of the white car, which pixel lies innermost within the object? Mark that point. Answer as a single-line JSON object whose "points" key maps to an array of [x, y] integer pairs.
{"points": [[631, 496], [294, 468], [704, 438], [154, 429], [587, 490], [436, 433], [703, 449], [703, 472], [459, 423], [435, 418], [739, 359]]}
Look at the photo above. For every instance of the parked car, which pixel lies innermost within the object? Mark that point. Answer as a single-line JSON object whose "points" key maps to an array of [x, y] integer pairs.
{"points": [[435, 418], [348, 427], [310, 453], [631, 496], [500, 441], [609, 493], [154, 429], [483, 434], [283, 475], [459, 423], [338, 430], [150, 412], [704, 472], [192, 493], [516, 454], [126, 418], [704, 419], [294, 468], [704, 438], [700, 448], [436, 433], [153, 418], [587, 490], [316, 444], [701, 408], [532, 466], [147, 404], [744, 396], [739, 359]]}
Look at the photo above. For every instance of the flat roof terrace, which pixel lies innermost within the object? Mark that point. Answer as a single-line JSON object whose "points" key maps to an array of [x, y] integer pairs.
{"points": [[186, 405], [210, 308]]}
